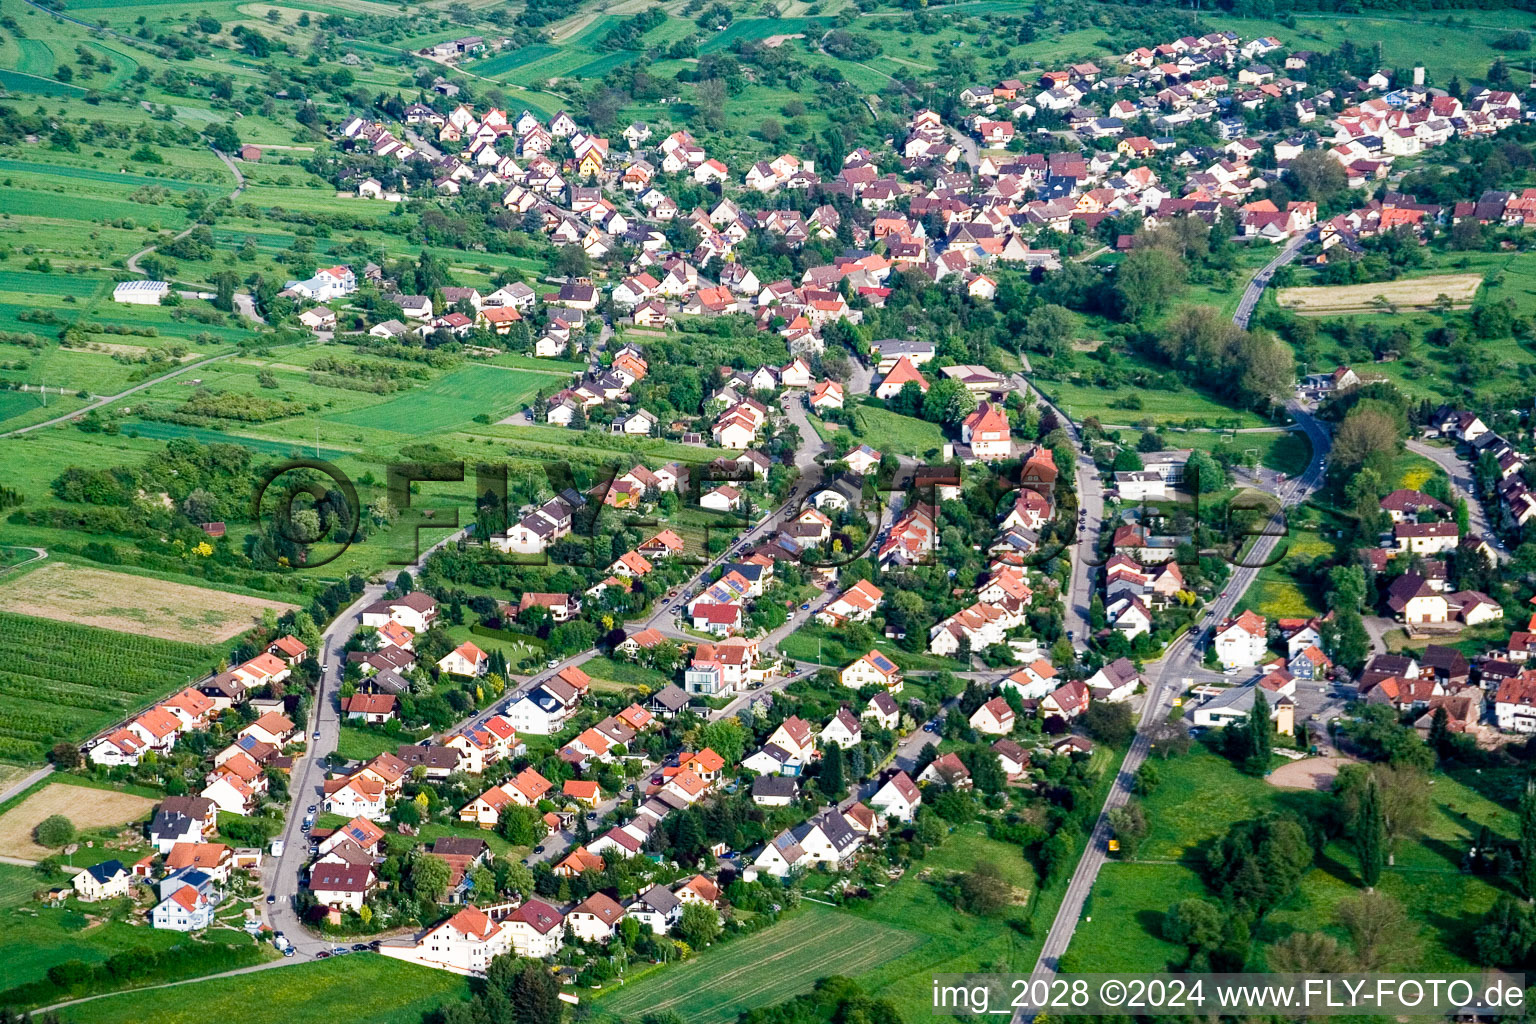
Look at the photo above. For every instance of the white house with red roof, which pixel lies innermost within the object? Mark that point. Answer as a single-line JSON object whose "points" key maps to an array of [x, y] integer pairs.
{"points": [[984, 434], [898, 798], [1068, 701], [856, 604], [536, 929], [465, 944], [1241, 642], [464, 660]]}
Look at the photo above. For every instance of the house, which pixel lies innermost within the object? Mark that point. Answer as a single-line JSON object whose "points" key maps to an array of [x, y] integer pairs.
{"points": [[828, 838], [994, 718], [948, 770], [1515, 704], [985, 434], [584, 792], [874, 669], [536, 929], [824, 395], [1033, 681], [464, 944], [843, 729], [898, 797], [167, 828], [882, 710], [1426, 538], [856, 604], [1115, 682], [775, 790], [1067, 701], [103, 881], [415, 611], [464, 660], [1241, 642], [199, 809], [372, 708], [318, 319], [1415, 602], [595, 918], [188, 908], [1013, 758], [656, 908], [341, 886], [356, 796], [902, 373]]}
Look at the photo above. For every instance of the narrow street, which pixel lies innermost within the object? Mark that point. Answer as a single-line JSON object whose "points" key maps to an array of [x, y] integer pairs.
{"points": [[1463, 486]]}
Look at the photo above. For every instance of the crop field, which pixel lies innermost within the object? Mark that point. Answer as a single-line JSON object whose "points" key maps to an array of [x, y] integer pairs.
{"points": [[169, 611], [87, 808], [59, 680], [775, 964], [453, 399], [1385, 296]]}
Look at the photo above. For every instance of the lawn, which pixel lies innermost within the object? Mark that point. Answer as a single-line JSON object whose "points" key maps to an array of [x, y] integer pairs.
{"points": [[1183, 407], [1279, 593], [452, 400], [359, 743], [886, 431], [781, 961], [360, 987], [620, 675], [39, 937], [824, 646]]}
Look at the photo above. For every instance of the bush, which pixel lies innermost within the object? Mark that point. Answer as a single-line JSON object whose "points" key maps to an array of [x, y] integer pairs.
{"points": [[54, 831]]}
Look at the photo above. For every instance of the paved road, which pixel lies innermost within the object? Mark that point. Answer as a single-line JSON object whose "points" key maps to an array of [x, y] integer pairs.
{"points": [[1260, 280], [1180, 661], [280, 874], [22, 783], [109, 399], [1090, 499], [1463, 485]]}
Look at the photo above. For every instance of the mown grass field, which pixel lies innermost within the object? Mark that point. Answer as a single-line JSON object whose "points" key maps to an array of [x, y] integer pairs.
{"points": [[775, 964], [160, 609], [358, 987], [63, 681], [453, 399]]}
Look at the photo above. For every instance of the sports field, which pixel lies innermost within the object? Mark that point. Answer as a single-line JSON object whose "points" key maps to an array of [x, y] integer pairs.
{"points": [[758, 970], [133, 604], [451, 400], [87, 808], [1383, 297]]}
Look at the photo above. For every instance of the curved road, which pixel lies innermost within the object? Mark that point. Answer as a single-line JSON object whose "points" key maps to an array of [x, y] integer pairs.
{"points": [[1463, 485], [133, 261]]}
